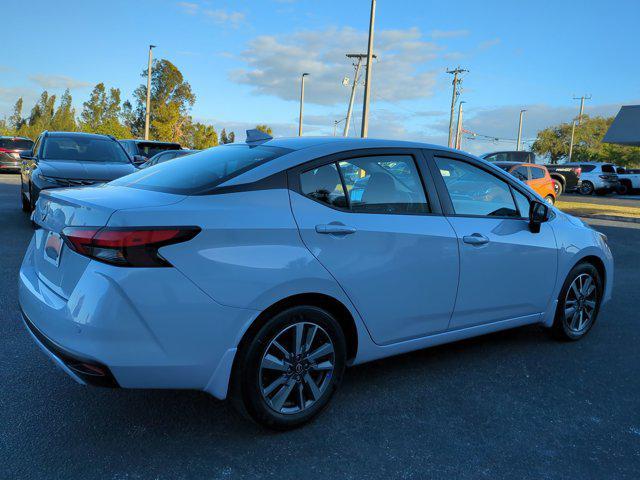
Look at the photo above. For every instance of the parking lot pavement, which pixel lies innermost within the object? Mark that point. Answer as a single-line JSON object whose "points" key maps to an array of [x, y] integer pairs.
{"points": [[510, 405], [618, 200]]}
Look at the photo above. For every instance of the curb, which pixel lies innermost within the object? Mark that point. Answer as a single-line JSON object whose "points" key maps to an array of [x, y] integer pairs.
{"points": [[610, 217]]}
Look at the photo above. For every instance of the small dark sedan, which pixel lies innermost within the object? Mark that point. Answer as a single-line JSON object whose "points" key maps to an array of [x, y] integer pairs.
{"points": [[166, 155], [10, 148], [71, 159]]}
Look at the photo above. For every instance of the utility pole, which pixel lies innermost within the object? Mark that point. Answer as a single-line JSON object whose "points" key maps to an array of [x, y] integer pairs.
{"points": [[148, 106], [573, 131], [456, 80], [459, 127], [520, 130], [304, 75], [582, 99], [367, 86]]}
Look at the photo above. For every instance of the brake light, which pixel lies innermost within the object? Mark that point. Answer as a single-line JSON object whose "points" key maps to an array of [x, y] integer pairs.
{"points": [[5, 150], [128, 247], [579, 171]]}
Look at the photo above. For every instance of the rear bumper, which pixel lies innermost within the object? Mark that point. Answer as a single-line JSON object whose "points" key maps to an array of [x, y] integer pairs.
{"points": [[9, 166], [139, 328]]}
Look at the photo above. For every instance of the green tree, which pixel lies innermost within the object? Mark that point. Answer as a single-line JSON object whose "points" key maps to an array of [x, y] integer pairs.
{"points": [[203, 136], [102, 113], [15, 120], [587, 145], [4, 128], [264, 128], [41, 116], [64, 118], [171, 100]]}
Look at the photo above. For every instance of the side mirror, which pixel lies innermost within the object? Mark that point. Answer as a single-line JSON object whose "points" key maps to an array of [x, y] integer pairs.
{"points": [[26, 154], [138, 160], [538, 214]]}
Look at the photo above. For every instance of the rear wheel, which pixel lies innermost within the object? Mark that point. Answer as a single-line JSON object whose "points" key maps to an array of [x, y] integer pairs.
{"points": [[557, 187], [288, 372], [586, 188], [578, 303]]}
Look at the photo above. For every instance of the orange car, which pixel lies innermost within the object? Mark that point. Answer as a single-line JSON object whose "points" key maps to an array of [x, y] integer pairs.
{"points": [[536, 176]]}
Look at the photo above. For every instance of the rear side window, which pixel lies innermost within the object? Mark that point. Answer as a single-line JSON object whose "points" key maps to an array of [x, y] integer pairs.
{"points": [[323, 184], [608, 169], [384, 184], [151, 148], [587, 168], [537, 173], [474, 191], [15, 144], [192, 174]]}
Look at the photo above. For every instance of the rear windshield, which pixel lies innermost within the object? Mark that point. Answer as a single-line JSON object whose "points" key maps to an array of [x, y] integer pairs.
{"points": [[201, 171], [84, 149], [608, 169], [150, 149], [15, 143]]}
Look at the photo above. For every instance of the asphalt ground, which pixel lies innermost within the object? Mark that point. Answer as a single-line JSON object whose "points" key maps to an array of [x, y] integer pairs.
{"points": [[511, 405]]}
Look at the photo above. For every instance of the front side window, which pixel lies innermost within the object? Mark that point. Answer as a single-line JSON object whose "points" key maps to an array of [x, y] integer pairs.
{"points": [[323, 184], [384, 184], [474, 191], [83, 149], [522, 202], [192, 174]]}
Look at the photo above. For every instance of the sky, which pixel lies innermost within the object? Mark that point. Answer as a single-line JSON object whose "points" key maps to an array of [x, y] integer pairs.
{"points": [[243, 60]]}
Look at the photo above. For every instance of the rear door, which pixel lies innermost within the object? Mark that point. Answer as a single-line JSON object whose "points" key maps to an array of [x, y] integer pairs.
{"points": [[506, 271], [368, 219]]}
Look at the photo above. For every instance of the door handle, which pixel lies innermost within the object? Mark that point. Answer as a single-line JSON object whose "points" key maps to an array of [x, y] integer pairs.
{"points": [[335, 229], [475, 239]]}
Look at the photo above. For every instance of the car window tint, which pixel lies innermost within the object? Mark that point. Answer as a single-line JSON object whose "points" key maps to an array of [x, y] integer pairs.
{"points": [[537, 173], [521, 173], [587, 168], [384, 184], [474, 191], [323, 184], [522, 202], [83, 149], [608, 169], [15, 143]]}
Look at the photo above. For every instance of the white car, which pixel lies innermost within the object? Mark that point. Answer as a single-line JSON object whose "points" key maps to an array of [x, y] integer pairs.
{"points": [[629, 180], [596, 177], [258, 271]]}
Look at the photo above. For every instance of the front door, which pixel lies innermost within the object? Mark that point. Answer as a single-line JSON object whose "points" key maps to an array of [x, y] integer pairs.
{"points": [[368, 220], [506, 271]]}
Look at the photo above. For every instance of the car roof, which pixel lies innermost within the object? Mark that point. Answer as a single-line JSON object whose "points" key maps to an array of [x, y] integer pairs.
{"points": [[517, 163], [12, 137], [346, 143], [140, 140], [78, 134]]}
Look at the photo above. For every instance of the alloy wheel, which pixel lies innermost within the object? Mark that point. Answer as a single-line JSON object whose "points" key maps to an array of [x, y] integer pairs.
{"points": [[296, 368], [580, 303]]}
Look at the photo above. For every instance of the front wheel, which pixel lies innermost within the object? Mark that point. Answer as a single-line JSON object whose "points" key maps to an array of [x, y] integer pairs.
{"points": [[288, 372], [578, 303]]}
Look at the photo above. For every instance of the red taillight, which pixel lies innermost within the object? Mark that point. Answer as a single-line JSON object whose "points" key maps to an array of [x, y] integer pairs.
{"points": [[131, 247], [579, 171], [5, 150]]}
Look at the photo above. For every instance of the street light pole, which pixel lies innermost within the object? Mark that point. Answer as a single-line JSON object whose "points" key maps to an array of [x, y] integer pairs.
{"points": [[367, 86], [148, 105], [304, 75], [353, 95], [454, 97], [520, 130]]}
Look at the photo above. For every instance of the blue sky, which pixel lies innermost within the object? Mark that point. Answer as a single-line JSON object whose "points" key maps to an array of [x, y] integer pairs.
{"points": [[243, 59]]}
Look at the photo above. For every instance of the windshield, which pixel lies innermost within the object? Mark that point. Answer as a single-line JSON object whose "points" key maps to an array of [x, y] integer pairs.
{"points": [[84, 149], [201, 171], [15, 143]]}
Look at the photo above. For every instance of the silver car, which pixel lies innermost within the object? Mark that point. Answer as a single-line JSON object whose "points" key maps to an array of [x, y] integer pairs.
{"points": [[599, 178]]}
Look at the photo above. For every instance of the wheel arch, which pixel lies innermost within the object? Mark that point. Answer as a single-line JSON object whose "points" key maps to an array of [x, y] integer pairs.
{"points": [[598, 264], [558, 177]]}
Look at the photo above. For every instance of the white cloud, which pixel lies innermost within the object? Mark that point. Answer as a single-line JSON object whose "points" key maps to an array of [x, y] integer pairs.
{"points": [[487, 44], [449, 33], [274, 64], [58, 81], [219, 16]]}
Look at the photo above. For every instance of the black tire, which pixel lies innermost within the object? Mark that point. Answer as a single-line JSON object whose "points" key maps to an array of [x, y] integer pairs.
{"points": [[564, 324], [586, 188], [558, 187], [248, 377], [624, 188]]}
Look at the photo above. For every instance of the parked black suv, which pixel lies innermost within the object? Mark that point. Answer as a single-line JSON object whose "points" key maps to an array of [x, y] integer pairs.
{"points": [[147, 148], [71, 159], [10, 148]]}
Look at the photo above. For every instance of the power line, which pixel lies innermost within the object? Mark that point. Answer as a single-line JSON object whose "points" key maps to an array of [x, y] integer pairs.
{"points": [[454, 97]]}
